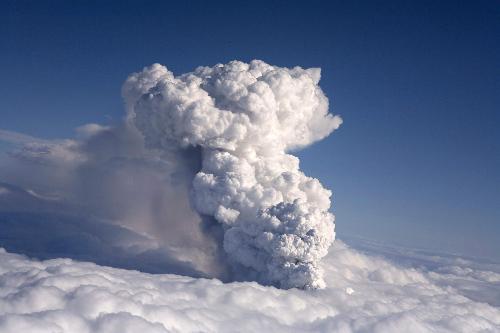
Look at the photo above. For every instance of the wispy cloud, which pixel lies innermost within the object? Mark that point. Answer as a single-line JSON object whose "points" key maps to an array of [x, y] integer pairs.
{"points": [[19, 138]]}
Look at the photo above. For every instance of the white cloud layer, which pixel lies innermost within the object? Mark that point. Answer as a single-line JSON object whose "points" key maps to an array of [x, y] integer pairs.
{"points": [[364, 293]]}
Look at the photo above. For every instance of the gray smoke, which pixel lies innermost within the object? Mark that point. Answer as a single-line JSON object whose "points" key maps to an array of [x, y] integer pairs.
{"points": [[106, 176]]}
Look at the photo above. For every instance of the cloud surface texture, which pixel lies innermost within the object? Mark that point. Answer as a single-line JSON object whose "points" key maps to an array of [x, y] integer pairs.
{"points": [[364, 293]]}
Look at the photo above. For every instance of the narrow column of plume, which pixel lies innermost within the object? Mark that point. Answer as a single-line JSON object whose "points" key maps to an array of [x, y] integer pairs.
{"points": [[245, 118]]}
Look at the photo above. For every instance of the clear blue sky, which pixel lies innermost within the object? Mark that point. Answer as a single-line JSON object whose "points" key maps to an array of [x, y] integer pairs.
{"points": [[417, 160]]}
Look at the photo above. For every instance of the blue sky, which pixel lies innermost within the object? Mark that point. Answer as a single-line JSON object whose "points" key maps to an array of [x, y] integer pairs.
{"points": [[417, 159]]}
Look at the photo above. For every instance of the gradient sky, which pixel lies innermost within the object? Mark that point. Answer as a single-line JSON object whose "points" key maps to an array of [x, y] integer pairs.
{"points": [[417, 160]]}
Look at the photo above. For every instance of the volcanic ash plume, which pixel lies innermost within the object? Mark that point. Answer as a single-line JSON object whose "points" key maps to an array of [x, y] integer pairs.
{"points": [[243, 119]]}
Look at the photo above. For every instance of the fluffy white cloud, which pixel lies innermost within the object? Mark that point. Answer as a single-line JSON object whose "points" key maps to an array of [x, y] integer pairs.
{"points": [[364, 293], [244, 118]]}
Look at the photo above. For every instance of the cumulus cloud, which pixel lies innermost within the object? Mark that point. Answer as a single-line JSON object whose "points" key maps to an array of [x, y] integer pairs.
{"points": [[364, 293], [244, 119]]}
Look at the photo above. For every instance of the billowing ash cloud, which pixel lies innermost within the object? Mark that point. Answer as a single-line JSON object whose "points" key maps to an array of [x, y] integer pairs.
{"points": [[243, 119]]}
